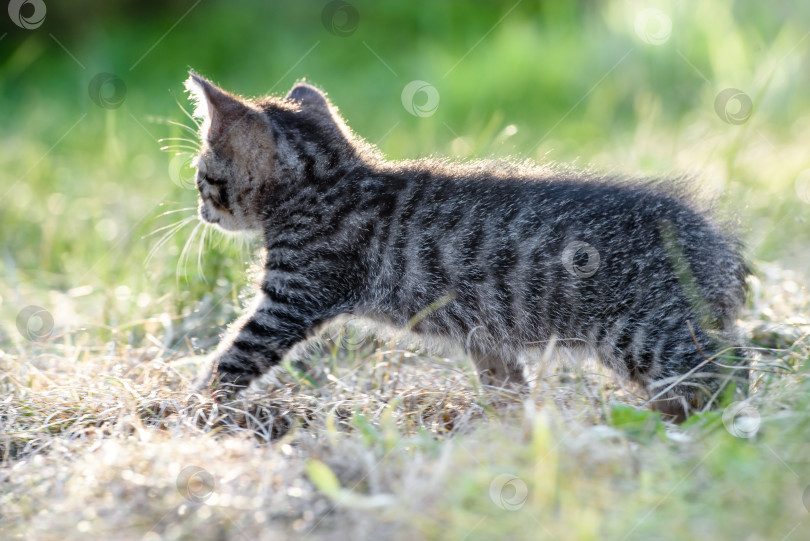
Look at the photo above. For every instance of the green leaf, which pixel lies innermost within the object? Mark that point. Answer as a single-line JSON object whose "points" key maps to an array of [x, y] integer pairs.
{"points": [[705, 420], [639, 424], [728, 395], [302, 377], [371, 436], [323, 478]]}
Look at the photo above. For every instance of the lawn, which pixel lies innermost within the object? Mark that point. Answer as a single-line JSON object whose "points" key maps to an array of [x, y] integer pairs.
{"points": [[112, 293]]}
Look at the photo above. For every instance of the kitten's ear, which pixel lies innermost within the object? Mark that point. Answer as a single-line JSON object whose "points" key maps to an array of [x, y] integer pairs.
{"points": [[309, 97], [216, 107]]}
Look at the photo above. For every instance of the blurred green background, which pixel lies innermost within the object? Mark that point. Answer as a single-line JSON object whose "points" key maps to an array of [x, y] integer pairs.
{"points": [[621, 86]]}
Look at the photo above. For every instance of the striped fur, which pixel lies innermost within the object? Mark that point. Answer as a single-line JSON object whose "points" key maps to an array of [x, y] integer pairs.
{"points": [[515, 255]]}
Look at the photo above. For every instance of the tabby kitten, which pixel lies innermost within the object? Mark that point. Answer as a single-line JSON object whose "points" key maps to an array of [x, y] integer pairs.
{"points": [[507, 257]]}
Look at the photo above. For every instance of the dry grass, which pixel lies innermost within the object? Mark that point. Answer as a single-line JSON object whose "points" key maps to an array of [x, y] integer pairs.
{"points": [[98, 435], [375, 441]]}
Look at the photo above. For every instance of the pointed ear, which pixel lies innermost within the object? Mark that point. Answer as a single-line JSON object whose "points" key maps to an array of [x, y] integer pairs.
{"points": [[215, 107], [309, 97]]}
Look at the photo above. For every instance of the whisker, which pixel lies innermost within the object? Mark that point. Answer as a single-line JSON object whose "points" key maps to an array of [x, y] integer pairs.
{"points": [[183, 260], [174, 211], [200, 249], [160, 243], [191, 130], [158, 230], [192, 141], [194, 120], [170, 148], [164, 239], [244, 247], [159, 120], [177, 225]]}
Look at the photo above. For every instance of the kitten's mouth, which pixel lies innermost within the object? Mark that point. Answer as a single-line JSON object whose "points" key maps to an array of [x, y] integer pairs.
{"points": [[207, 215]]}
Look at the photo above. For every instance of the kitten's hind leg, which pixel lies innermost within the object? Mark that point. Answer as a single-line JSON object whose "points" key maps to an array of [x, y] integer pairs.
{"points": [[495, 371]]}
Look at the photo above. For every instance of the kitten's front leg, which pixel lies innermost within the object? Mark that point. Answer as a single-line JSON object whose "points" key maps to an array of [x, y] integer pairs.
{"points": [[256, 343]]}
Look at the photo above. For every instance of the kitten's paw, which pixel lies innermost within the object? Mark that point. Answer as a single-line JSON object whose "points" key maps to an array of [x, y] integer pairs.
{"points": [[220, 384], [679, 403], [226, 385]]}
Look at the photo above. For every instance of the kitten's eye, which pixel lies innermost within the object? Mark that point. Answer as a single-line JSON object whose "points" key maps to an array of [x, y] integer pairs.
{"points": [[215, 181]]}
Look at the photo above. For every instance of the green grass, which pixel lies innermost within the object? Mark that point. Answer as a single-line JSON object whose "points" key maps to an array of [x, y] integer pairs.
{"points": [[97, 429]]}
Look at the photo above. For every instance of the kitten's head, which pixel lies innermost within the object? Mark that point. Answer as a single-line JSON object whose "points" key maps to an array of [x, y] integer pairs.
{"points": [[239, 159]]}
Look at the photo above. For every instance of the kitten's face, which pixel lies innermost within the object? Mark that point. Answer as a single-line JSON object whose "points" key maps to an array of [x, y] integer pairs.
{"points": [[238, 159], [235, 160]]}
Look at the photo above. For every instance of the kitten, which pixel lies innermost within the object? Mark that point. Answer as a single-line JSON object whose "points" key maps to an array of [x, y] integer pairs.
{"points": [[507, 257]]}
